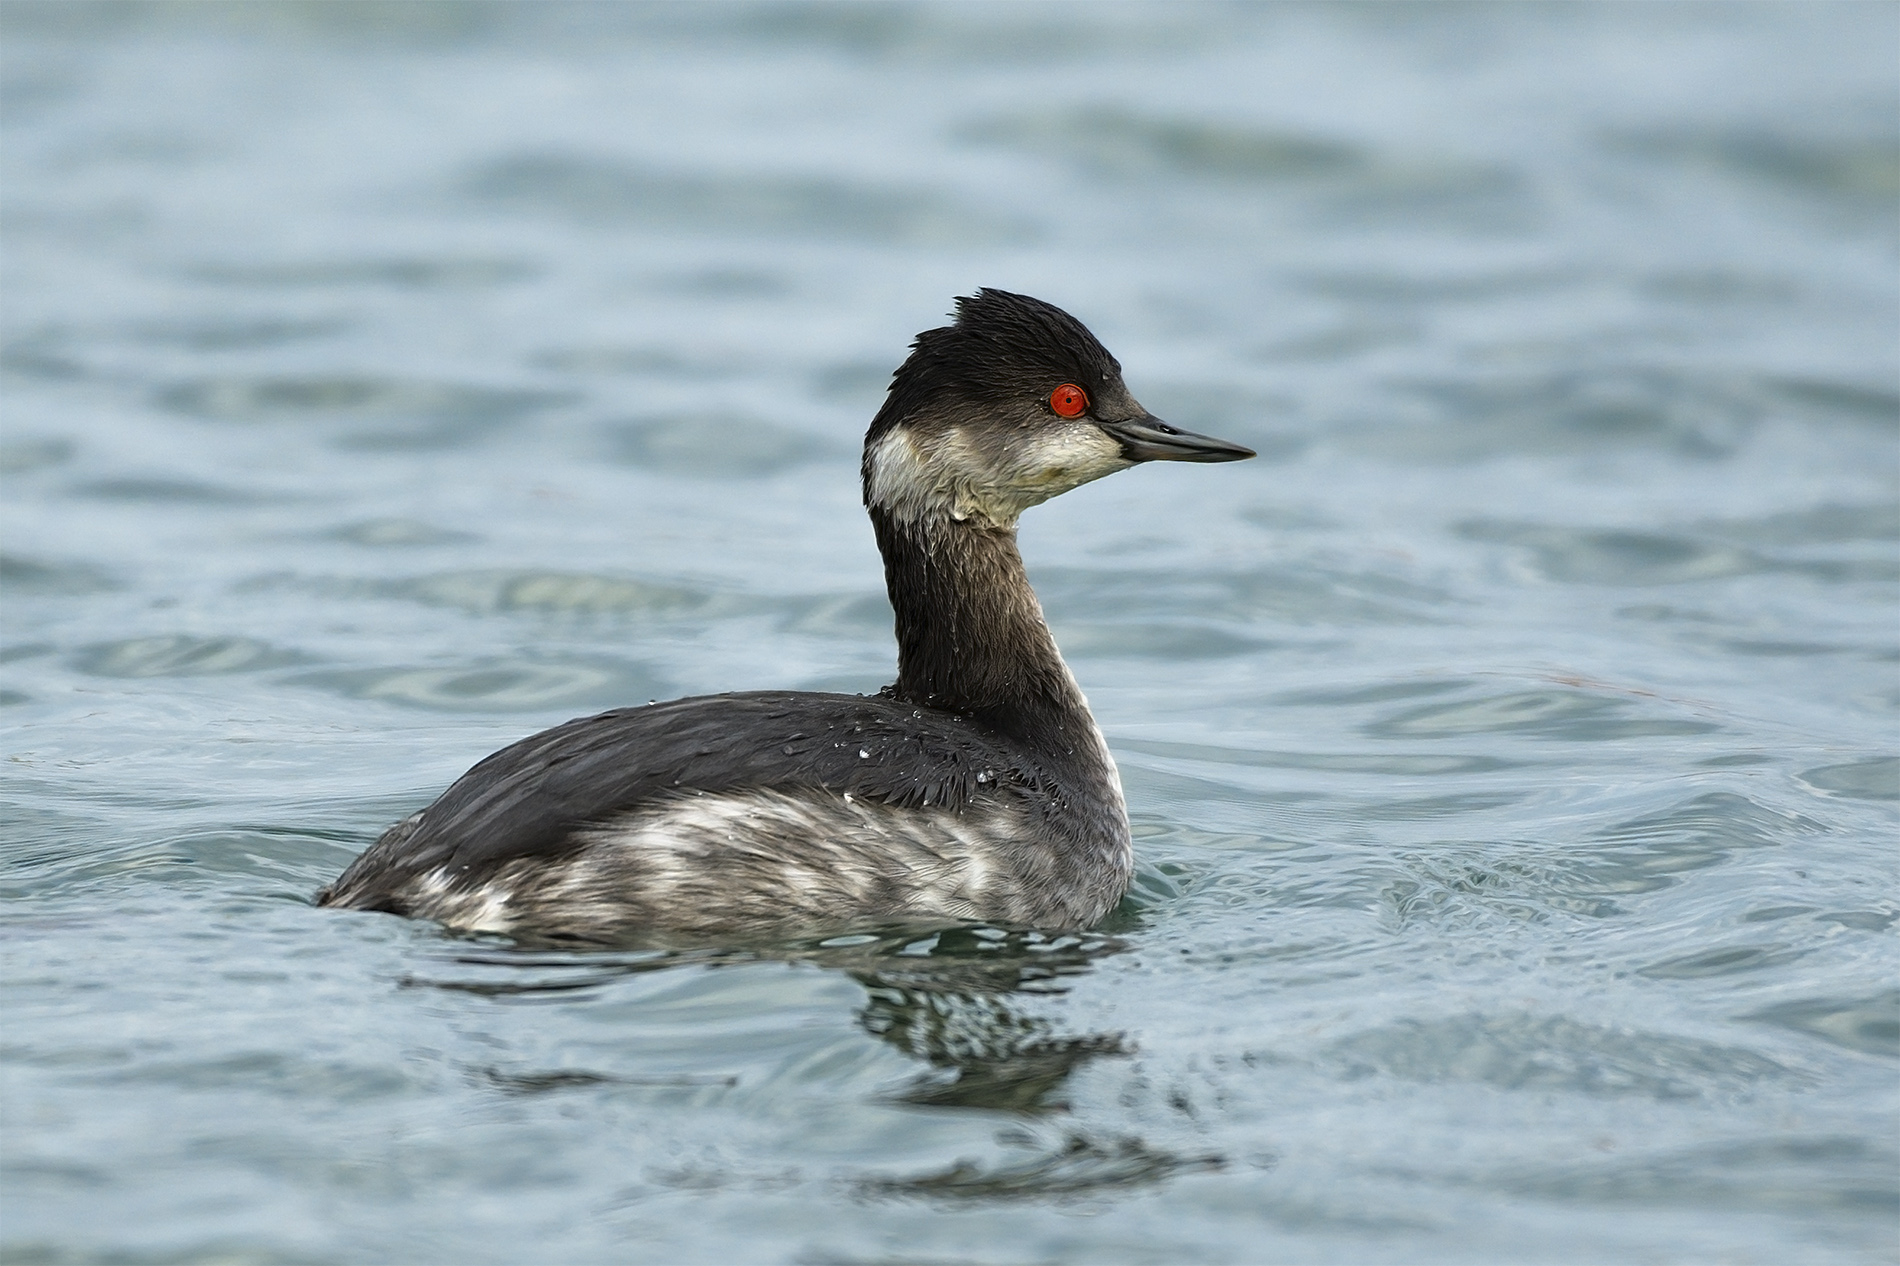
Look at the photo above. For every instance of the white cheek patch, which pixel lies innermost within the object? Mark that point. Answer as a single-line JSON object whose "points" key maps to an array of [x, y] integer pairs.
{"points": [[939, 476], [952, 475], [1054, 461], [900, 480]]}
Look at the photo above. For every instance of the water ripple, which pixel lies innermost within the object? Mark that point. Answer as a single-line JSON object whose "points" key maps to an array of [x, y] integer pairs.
{"points": [[181, 655], [496, 685], [714, 445], [603, 191], [1869, 1025], [1521, 1051]]}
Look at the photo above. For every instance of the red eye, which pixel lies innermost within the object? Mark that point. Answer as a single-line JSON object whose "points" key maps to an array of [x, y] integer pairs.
{"points": [[1069, 400]]}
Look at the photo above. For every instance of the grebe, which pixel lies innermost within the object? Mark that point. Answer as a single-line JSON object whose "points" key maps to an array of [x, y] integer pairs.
{"points": [[976, 787]]}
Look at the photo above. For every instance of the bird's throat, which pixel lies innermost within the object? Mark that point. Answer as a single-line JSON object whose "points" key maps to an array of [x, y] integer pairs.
{"points": [[970, 634]]}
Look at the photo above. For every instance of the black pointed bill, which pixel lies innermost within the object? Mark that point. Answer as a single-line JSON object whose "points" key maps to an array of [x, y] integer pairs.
{"points": [[1149, 439]]}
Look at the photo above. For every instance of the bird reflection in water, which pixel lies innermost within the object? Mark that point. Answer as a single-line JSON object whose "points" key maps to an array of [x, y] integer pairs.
{"points": [[957, 1010], [952, 999], [962, 1001]]}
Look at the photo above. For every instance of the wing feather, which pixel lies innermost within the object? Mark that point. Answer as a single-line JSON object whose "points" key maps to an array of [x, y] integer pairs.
{"points": [[532, 798]]}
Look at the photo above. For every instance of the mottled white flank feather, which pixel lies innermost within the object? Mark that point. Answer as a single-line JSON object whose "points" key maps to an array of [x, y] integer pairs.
{"points": [[850, 850], [655, 863], [481, 909]]}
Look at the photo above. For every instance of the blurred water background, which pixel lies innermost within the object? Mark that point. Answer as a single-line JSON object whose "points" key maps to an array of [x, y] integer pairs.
{"points": [[1512, 749]]}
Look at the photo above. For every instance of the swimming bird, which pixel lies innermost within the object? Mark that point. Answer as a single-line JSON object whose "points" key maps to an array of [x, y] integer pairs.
{"points": [[974, 787]]}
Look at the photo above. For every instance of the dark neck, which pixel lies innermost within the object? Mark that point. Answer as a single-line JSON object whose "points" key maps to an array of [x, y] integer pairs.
{"points": [[970, 633]]}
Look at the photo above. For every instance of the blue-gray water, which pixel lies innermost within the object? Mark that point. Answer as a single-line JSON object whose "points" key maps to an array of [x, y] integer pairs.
{"points": [[1512, 748]]}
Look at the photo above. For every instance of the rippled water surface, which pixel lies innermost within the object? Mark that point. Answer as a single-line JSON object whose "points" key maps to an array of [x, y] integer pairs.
{"points": [[1512, 749]]}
